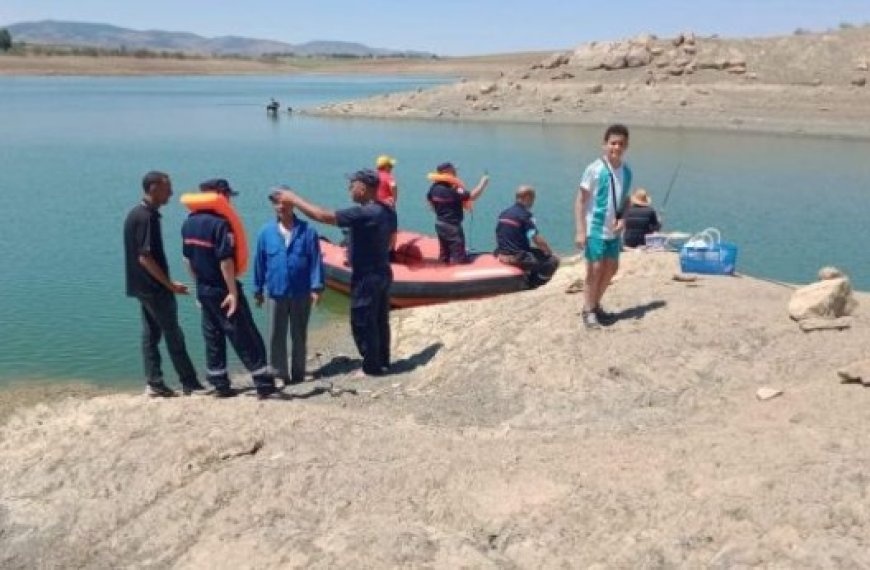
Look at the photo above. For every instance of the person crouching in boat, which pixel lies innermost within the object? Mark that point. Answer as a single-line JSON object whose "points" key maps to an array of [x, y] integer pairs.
{"points": [[373, 228], [209, 249], [288, 267], [448, 197], [516, 233]]}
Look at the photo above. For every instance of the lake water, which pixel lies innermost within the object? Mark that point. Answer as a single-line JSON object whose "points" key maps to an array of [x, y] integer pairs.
{"points": [[73, 150]]}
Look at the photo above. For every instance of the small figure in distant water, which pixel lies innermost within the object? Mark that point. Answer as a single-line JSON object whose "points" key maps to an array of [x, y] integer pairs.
{"points": [[640, 219], [448, 197], [388, 190], [273, 106], [290, 110], [520, 244]]}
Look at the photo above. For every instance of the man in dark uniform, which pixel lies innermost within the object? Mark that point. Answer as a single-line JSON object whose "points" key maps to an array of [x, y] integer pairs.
{"points": [[447, 199], [516, 232], [209, 248], [373, 229], [147, 274]]}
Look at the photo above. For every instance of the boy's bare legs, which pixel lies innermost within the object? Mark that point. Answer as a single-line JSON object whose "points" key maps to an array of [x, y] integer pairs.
{"points": [[590, 291], [609, 267]]}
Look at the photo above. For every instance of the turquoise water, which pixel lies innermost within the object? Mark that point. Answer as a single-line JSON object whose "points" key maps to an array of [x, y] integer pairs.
{"points": [[73, 151]]}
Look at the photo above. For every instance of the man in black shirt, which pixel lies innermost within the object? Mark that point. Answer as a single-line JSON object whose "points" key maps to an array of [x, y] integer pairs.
{"points": [[147, 276], [373, 228], [516, 232], [448, 197]]}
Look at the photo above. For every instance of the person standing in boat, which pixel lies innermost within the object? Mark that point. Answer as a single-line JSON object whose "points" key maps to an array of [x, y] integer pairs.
{"points": [[640, 219], [599, 216], [288, 267], [388, 190], [373, 228], [448, 198], [147, 277], [209, 250], [516, 233]]}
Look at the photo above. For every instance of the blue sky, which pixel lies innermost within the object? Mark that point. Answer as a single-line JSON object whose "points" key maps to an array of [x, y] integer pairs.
{"points": [[451, 27]]}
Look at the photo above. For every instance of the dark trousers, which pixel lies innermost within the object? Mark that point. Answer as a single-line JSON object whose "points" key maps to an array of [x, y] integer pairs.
{"points": [[242, 334], [160, 319], [292, 314], [539, 267], [370, 320], [451, 242]]}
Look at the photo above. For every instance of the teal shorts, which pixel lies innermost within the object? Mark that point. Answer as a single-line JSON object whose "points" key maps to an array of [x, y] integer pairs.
{"points": [[598, 249]]}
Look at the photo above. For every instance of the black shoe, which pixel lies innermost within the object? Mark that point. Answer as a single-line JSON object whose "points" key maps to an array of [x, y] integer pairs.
{"points": [[194, 389], [226, 392], [266, 392], [159, 390], [604, 317]]}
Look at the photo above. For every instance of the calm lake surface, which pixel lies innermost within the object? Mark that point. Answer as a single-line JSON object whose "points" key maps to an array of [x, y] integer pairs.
{"points": [[73, 150]]}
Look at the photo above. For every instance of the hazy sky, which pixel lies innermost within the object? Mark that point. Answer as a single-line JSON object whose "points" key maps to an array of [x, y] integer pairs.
{"points": [[451, 27]]}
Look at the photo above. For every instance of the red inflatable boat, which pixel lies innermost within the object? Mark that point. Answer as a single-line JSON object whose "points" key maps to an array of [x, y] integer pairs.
{"points": [[420, 279]]}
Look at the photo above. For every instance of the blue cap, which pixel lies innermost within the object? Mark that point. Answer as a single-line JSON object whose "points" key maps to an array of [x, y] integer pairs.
{"points": [[219, 185], [445, 166]]}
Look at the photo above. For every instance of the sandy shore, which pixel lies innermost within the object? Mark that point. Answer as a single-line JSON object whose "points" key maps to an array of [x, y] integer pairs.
{"points": [[508, 437]]}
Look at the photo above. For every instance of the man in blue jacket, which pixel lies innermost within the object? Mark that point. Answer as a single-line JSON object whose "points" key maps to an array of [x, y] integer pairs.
{"points": [[373, 228], [289, 267]]}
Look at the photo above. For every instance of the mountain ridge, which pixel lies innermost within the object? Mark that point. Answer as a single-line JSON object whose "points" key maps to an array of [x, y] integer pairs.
{"points": [[109, 36]]}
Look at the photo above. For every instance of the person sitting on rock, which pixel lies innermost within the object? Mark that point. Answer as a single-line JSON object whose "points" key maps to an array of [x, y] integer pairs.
{"points": [[520, 244], [640, 219], [448, 197]]}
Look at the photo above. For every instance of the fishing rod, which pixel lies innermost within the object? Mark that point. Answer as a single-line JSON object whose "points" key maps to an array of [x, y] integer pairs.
{"points": [[671, 185]]}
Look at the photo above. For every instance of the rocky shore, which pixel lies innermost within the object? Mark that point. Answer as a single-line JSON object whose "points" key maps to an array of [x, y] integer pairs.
{"points": [[508, 437], [800, 84]]}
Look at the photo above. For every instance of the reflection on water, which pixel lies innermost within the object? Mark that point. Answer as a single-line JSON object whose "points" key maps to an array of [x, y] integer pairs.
{"points": [[74, 151]]}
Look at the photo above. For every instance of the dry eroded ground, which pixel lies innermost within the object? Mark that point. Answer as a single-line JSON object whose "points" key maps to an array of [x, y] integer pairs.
{"points": [[510, 438]]}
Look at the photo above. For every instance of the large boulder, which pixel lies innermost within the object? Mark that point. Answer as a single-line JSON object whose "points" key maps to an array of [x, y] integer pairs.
{"points": [[831, 299], [638, 56], [556, 60]]}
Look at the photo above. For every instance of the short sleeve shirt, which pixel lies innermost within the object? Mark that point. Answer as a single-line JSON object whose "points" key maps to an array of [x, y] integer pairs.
{"points": [[143, 236], [609, 188], [515, 228], [385, 188], [447, 202], [371, 227], [207, 240]]}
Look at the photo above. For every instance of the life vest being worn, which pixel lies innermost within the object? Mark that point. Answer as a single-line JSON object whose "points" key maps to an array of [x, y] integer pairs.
{"points": [[218, 203], [455, 182]]}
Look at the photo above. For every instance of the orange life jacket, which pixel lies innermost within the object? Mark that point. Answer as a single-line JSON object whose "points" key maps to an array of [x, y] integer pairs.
{"points": [[218, 203]]}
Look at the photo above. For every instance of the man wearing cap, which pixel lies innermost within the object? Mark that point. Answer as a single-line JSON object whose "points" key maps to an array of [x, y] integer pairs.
{"points": [[515, 233], [209, 248], [288, 266], [147, 276], [373, 229], [448, 197], [388, 190]]}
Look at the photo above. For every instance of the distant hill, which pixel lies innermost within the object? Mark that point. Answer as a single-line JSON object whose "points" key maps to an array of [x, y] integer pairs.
{"points": [[114, 37]]}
